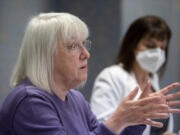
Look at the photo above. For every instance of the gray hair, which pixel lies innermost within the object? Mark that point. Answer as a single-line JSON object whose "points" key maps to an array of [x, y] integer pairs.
{"points": [[42, 35]]}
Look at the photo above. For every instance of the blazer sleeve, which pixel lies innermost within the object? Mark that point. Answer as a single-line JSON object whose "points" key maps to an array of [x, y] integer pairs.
{"points": [[107, 94]]}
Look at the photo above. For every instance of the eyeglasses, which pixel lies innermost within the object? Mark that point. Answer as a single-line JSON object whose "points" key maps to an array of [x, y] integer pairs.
{"points": [[78, 47]]}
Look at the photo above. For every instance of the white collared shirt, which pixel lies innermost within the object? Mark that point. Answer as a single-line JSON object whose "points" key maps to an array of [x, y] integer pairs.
{"points": [[111, 86]]}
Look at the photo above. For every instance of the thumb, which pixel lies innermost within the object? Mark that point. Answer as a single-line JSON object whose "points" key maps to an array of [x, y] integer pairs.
{"points": [[146, 91], [133, 93]]}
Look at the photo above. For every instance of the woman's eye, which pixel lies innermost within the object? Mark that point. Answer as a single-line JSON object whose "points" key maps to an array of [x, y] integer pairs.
{"points": [[150, 46], [74, 46]]}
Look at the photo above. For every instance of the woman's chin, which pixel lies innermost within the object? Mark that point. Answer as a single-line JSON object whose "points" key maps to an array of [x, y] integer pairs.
{"points": [[81, 85]]}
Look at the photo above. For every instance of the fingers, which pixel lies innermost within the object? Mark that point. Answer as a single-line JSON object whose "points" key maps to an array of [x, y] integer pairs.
{"points": [[157, 108], [173, 103], [148, 100], [153, 123], [174, 110], [170, 88], [146, 91], [157, 115], [172, 96], [133, 93], [169, 133], [153, 111]]}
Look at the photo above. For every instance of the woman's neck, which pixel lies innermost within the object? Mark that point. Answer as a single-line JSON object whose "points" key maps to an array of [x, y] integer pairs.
{"points": [[59, 88], [60, 92], [141, 75]]}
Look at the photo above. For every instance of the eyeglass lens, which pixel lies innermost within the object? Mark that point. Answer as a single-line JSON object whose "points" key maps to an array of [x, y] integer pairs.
{"points": [[87, 45]]}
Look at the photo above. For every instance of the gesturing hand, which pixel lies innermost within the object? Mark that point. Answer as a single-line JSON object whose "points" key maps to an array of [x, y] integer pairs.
{"points": [[168, 99], [147, 107]]}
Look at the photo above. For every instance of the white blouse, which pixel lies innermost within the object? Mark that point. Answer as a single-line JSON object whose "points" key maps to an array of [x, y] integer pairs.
{"points": [[111, 86]]}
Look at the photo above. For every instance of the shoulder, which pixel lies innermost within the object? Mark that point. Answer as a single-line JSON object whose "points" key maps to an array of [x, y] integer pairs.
{"points": [[20, 93], [21, 99], [23, 91], [111, 85], [114, 74], [27, 90], [115, 71], [113, 82]]}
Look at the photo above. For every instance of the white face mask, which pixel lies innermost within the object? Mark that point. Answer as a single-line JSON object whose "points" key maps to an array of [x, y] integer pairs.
{"points": [[151, 60]]}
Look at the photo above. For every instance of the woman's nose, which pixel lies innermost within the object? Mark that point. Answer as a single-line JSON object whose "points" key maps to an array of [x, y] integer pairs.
{"points": [[85, 53]]}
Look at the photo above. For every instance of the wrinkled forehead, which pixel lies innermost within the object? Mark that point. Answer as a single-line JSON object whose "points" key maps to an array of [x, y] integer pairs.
{"points": [[74, 33], [76, 37]]}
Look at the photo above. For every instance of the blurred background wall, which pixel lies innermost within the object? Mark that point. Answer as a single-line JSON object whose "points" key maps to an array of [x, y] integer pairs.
{"points": [[107, 21]]}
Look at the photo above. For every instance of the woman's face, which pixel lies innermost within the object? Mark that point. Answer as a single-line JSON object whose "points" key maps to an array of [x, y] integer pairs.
{"points": [[70, 63], [148, 57], [150, 43]]}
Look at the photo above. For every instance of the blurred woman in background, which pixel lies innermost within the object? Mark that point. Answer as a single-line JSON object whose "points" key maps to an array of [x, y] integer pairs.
{"points": [[143, 56]]}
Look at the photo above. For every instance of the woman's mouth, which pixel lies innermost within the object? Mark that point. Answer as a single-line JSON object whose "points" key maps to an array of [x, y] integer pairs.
{"points": [[84, 67]]}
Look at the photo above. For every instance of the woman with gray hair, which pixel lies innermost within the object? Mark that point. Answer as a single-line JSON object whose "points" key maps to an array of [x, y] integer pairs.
{"points": [[52, 61]]}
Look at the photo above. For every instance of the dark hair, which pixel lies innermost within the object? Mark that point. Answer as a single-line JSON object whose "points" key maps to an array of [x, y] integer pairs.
{"points": [[146, 26]]}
